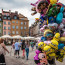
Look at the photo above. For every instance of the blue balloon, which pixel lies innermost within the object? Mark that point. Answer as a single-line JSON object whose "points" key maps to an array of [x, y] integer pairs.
{"points": [[51, 20], [60, 46], [43, 38], [60, 16]]}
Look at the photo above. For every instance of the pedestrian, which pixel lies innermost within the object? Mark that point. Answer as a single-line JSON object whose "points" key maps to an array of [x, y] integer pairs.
{"points": [[32, 45], [37, 45], [27, 49], [23, 48], [17, 49], [2, 52], [13, 47]]}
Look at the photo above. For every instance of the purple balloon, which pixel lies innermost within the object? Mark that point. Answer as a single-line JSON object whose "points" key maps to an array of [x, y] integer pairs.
{"points": [[36, 56]]}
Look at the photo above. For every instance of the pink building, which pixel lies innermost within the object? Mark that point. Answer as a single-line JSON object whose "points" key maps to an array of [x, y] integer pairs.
{"points": [[6, 22]]}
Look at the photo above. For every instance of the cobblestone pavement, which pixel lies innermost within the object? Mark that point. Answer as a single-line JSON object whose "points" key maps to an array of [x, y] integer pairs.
{"points": [[11, 60]]}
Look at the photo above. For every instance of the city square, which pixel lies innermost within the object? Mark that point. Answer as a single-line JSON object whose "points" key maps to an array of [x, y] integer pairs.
{"points": [[11, 60], [32, 32]]}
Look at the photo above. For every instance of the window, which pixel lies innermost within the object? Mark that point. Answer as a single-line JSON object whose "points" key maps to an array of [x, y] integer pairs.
{"points": [[0, 19], [0, 24], [15, 17], [24, 23], [24, 27], [22, 18], [13, 32], [4, 27], [13, 21], [4, 17], [21, 27], [21, 22], [9, 18], [13, 27], [16, 27], [0, 30], [17, 22], [4, 22], [8, 33], [16, 32], [8, 23], [4, 32], [8, 28]]}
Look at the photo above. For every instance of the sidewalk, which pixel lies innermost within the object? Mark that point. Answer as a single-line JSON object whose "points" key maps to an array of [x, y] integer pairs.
{"points": [[11, 60]]}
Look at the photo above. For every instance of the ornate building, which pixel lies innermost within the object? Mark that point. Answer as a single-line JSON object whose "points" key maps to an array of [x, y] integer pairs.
{"points": [[14, 23]]}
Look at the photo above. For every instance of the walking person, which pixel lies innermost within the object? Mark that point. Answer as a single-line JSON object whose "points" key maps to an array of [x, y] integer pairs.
{"points": [[17, 49], [2, 52], [37, 45], [27, 49], [13, 47], [23, 48], [32, 45]]}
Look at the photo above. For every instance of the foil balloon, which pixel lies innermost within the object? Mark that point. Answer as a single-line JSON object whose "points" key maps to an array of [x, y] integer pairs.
{"points": [[53, 1], [60, 16]]}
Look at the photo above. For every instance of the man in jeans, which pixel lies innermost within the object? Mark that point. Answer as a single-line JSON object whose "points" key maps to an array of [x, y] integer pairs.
{"points": [[17, 48]]}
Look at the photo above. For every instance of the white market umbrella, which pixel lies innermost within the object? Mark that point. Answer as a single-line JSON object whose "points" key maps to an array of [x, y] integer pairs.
{"points": [[38, 38], [29, 38], [6, 36], [17, 37]]}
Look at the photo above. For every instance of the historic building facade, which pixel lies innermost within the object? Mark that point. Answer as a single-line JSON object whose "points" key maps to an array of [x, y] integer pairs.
{"points": [[35, 30], [1, 25], [6, 23], [24, 25], [13, 24]]}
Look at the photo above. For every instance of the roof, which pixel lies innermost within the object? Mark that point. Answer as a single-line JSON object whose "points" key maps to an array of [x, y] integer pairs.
{"points": [[14, 14], [22, 16], [6, 12]]}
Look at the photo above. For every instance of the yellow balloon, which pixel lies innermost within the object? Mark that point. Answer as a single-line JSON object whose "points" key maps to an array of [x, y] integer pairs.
{"points": [[53, 1], [62, 39], [47, 30]]}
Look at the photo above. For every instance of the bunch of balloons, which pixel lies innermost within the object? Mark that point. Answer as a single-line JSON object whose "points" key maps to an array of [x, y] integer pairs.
{"points": [[52, 24]]}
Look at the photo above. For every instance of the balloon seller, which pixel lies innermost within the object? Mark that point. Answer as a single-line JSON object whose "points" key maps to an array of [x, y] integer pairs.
{"points": [[52, 24]]}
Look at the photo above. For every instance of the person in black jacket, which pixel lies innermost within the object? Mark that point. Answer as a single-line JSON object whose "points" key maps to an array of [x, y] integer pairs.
{"points": [[23, 48]]}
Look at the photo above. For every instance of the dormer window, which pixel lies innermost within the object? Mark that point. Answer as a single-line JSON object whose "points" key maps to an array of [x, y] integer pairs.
{"points": [[8, 18], [4, 17], [15, 17]]}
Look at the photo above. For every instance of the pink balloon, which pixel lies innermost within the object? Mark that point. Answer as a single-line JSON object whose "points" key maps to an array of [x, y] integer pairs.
{"points": [[63, 34], [47, 42], [41, 29]]}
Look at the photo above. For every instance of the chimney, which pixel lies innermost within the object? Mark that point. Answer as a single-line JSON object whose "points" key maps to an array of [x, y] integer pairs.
{"points": [[10, 11], [2, 10], [16, 12]]}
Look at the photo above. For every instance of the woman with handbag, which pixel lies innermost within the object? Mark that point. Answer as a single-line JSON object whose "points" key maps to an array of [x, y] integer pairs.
{"points": [[2, 52]]}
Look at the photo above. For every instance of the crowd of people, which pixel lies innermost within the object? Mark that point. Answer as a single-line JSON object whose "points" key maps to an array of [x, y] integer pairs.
{"points": [[17, 47]]}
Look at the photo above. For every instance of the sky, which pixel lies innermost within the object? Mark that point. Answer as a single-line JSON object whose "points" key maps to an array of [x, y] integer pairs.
{"points": [[22, 6]]}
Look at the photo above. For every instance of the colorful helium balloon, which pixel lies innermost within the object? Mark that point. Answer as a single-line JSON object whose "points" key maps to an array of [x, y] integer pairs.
{"points": [[53, 1]]}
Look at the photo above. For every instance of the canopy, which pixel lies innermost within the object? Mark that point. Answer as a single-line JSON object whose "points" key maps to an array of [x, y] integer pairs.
{"points": [[38, 38], [6, 36], [18, 37], [29, 38]]}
